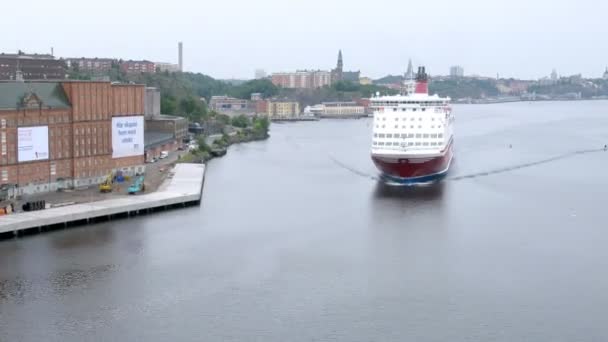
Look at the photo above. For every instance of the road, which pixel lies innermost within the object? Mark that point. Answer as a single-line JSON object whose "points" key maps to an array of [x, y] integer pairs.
{"points": [[155, 174]]}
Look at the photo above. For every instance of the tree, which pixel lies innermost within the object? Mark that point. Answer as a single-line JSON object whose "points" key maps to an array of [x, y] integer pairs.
{"points": [[168, 104], [241, 121], [264, 87]]}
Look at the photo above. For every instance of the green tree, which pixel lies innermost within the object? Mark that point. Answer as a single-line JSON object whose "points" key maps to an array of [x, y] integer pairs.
{"points": [[241, 121], [168, 104]]}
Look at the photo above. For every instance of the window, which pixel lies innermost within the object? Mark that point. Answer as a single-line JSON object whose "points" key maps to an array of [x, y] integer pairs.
{"points": [[389, 143], [396, 126], [418, 143], [423, 109], [434, 136], [426, 143], [432, 119], [410, 135], [394, 109], [412, 126], [375, 135], [411, 143], [381, 135], [440, 136], [411, 119], [433, 143], [414, 109], [396, 119], [381, 143], [404, 109], [3, 149], [375, 143], [5, 175], [420, 119], [404, 135], [3, 137], [389, 135], [425, 136]]}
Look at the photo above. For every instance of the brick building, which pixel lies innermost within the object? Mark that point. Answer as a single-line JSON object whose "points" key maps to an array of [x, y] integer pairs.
{"points": [[91, 65], [136, 67], [56, 135], [31, 67], [302, 79]]}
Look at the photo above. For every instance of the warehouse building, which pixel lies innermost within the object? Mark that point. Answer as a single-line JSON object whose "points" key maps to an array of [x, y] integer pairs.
{"points": [[61, 135]]}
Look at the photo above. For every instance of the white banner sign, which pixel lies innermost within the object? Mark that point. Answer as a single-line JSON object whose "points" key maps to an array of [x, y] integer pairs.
{"points": [[127, 136], [32, 143]]}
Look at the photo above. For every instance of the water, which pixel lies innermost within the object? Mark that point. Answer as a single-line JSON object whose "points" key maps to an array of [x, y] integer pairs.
{"points": [[296, 241]]}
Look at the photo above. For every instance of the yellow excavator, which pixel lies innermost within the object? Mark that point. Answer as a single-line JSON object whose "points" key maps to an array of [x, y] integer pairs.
{"points": [[107, 184]]}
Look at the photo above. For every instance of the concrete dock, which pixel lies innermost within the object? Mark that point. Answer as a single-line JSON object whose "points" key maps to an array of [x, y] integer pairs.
{"points": [[183, 187]]}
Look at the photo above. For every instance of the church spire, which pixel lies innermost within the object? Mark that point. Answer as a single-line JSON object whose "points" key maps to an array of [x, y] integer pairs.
{"points": [[340, 62], [409, 74]]}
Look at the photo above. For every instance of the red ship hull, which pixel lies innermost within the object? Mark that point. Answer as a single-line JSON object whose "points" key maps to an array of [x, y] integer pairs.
{"points": [[416, 169]]}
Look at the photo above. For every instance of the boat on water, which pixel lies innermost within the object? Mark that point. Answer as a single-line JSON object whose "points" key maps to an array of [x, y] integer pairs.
{"points": [[412, 136]]}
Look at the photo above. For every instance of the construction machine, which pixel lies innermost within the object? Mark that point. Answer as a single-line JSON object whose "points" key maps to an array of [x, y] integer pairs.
{"points": [[107, 184]]}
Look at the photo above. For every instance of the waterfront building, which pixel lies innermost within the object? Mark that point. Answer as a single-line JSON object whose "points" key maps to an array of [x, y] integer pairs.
{"points": [[229, 105], [282, 109], [456, 71], [261, 107], [31, 67], [59, 135], [349, 109]]}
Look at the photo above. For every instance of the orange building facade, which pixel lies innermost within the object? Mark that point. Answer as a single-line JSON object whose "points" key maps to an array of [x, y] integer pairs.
{"points": [[77, 119]]}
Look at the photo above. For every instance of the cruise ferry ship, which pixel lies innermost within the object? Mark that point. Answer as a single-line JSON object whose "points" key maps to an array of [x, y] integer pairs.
{"points": [[413, 137]]}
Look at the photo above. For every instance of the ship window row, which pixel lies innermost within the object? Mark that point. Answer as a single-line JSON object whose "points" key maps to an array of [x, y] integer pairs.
{"points": [[395, 103], [408, 135], [406, 109], [405, 119], [410, 143], [411, 127]]}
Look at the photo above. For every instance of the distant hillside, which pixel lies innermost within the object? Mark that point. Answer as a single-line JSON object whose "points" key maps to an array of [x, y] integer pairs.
{"points": [[390, 79], [463, 88]]}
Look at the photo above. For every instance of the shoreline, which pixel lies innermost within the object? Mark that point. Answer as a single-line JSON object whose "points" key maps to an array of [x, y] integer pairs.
{"points": [[184, 188]]}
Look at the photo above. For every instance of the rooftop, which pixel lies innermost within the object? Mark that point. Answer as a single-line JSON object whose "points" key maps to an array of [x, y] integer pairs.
{"points": [[50, 94], [165, 117], [153, 138]]}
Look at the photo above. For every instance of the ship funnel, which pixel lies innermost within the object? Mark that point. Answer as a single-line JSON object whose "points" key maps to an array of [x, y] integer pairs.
{"points": [[422, 81]]}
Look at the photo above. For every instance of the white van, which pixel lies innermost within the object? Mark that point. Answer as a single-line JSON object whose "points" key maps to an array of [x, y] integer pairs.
{"points": [[164, 154]]}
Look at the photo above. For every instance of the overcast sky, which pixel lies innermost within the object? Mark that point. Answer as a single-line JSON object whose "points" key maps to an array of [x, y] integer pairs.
{"points": [[231, 38]]}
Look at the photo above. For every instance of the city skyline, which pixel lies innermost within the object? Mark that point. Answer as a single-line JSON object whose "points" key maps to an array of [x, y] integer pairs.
{"points": [[485, 39]]}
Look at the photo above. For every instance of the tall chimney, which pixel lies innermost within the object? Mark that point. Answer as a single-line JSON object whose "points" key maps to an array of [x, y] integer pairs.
{"points": [[422, 82], [180, 52], [52, 51]]}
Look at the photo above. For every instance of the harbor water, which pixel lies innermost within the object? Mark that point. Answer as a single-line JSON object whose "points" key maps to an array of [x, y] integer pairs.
{"points": [[296, 240]]}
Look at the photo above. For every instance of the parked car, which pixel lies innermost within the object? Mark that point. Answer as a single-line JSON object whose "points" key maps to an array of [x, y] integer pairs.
{"points": [[164, 154]]}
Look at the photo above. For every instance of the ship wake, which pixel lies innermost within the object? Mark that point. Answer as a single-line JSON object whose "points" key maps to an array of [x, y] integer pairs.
{"points": [[524, 165]]}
